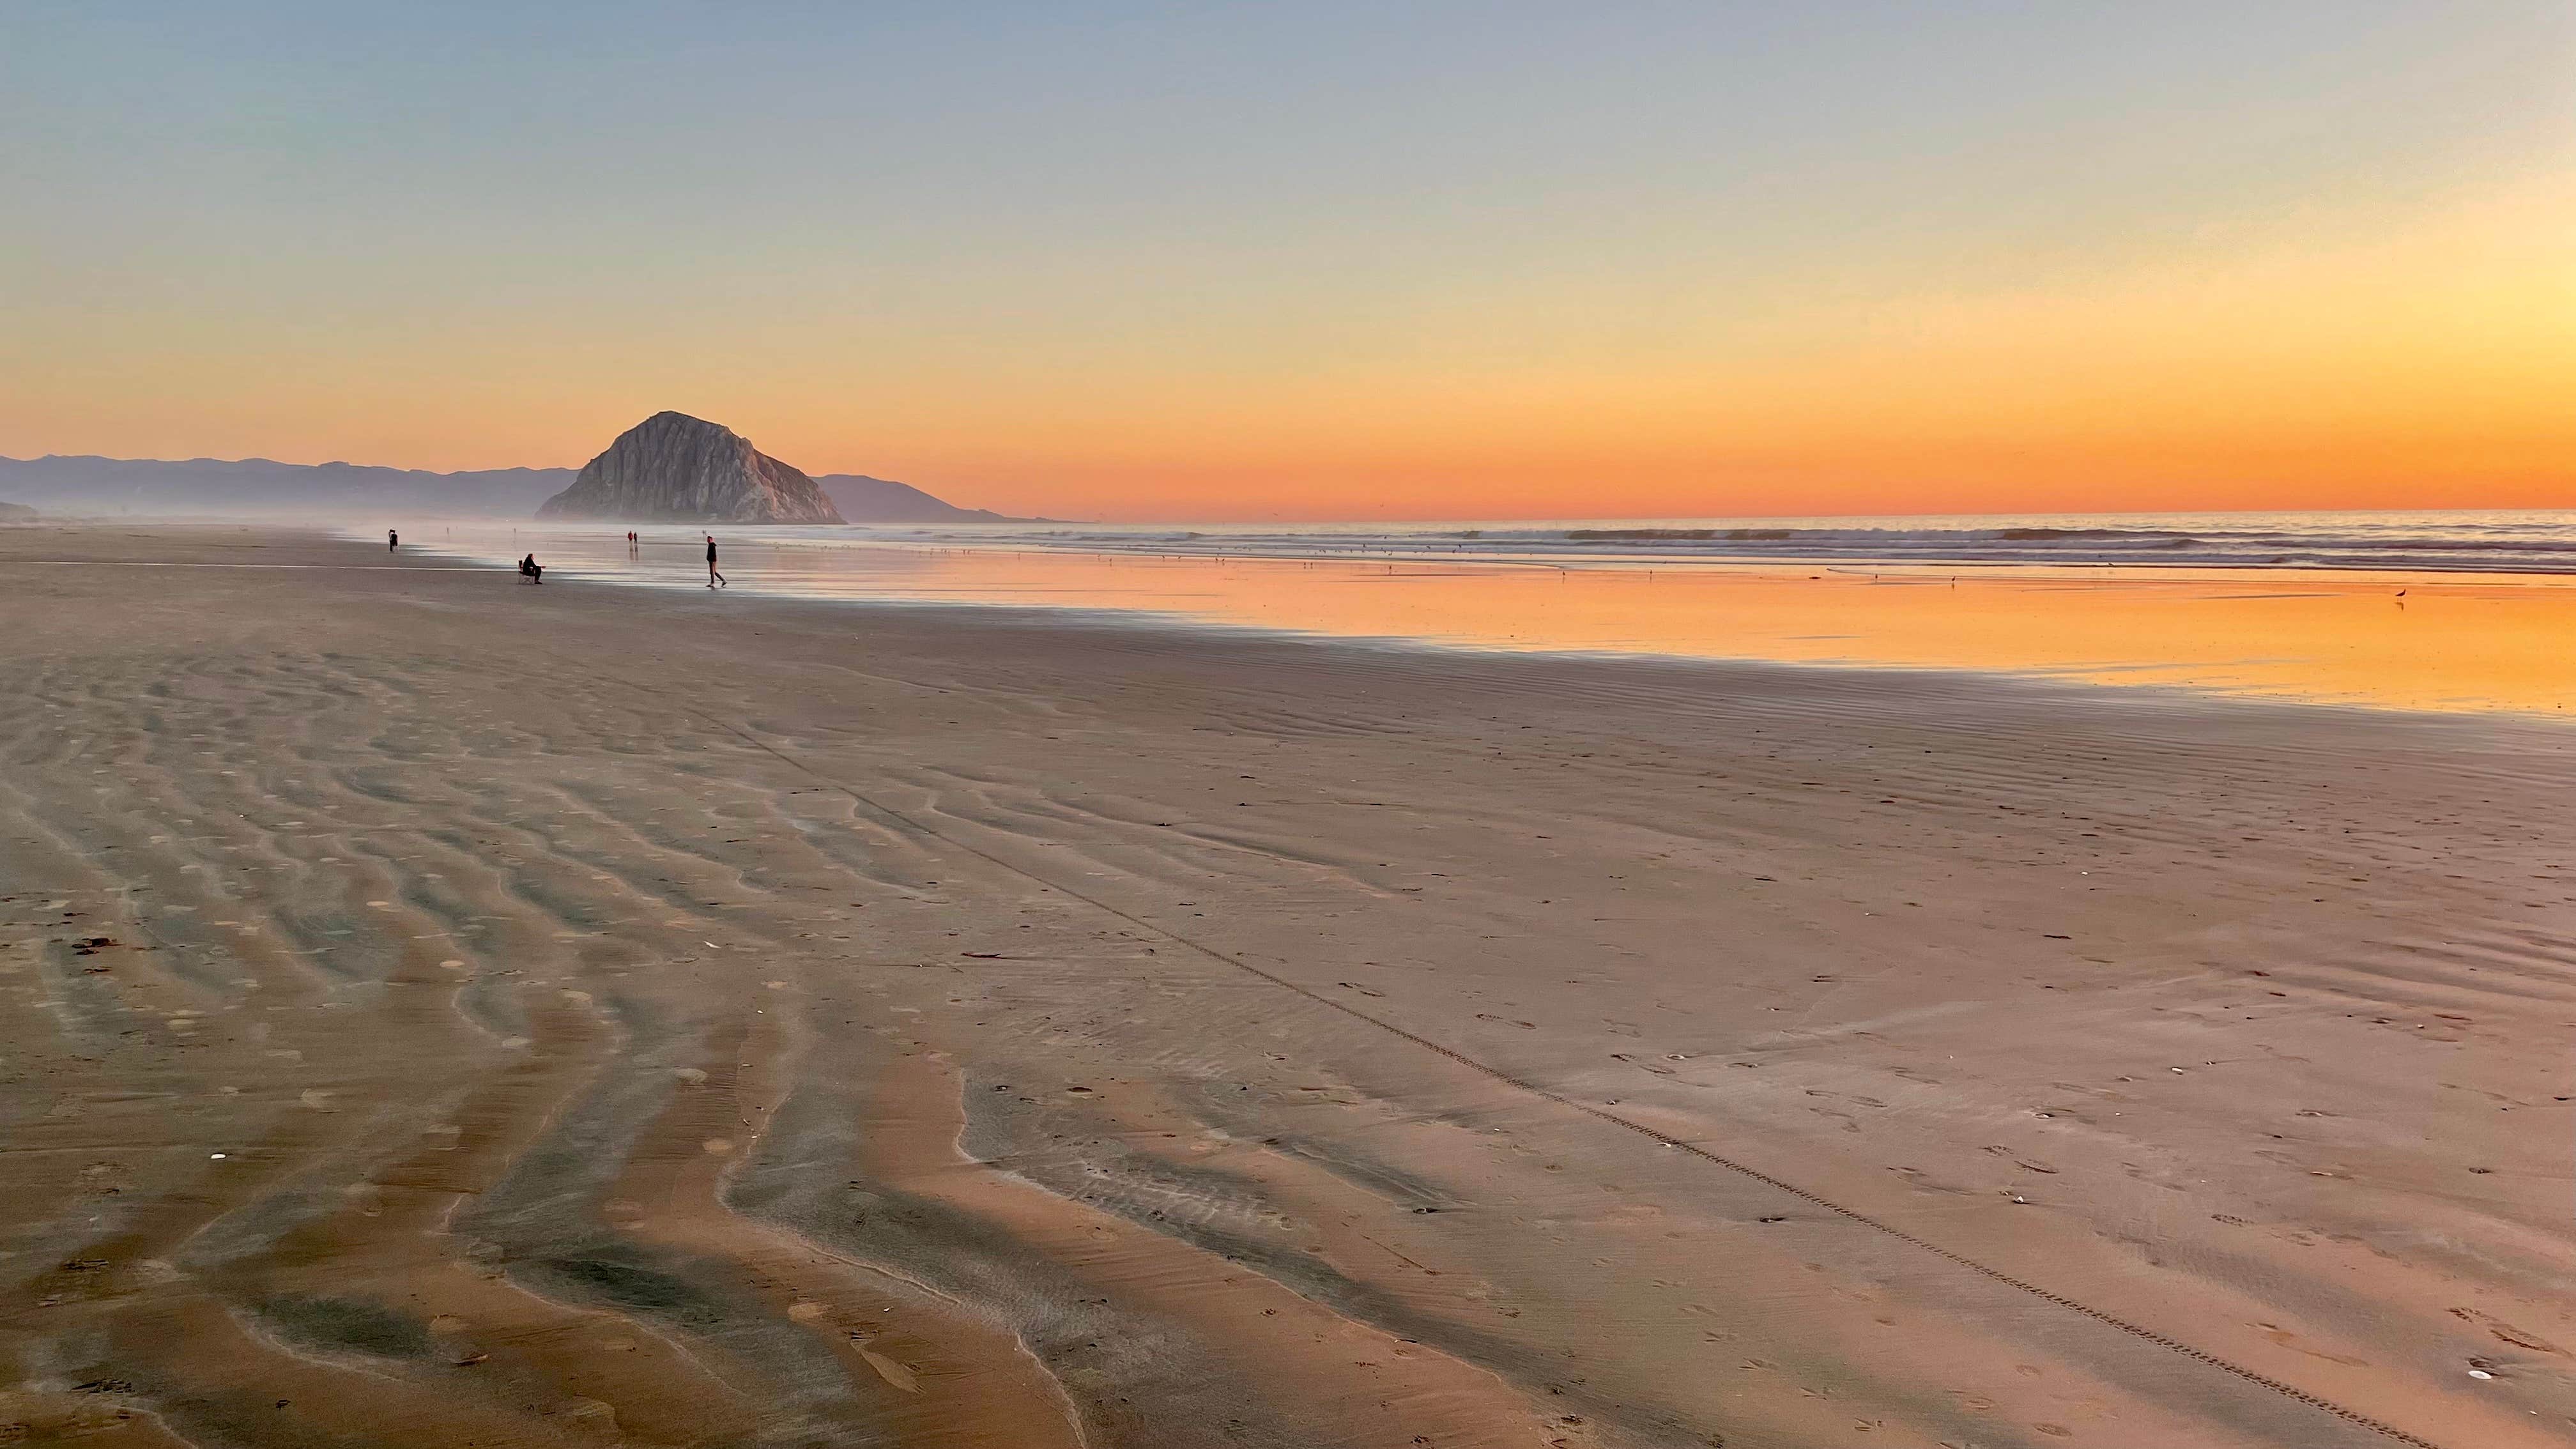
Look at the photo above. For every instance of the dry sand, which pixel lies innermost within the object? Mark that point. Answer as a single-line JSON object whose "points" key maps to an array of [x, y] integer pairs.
{"points": [[443, 1012]]}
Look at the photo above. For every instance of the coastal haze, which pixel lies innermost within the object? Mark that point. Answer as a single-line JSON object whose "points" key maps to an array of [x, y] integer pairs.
{"points": [[259, 487], [1708, 727]]}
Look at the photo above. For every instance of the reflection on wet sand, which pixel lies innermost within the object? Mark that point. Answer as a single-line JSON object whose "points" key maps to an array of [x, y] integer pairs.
{"points": [[2401, 642]]}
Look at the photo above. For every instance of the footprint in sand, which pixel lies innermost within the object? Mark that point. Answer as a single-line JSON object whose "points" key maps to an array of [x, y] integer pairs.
{"points": [[887, 1369]]}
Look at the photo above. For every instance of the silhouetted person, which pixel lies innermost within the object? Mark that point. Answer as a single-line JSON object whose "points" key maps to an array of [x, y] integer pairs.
{"points": [[391, 538], [531, 570], [713, 578]]}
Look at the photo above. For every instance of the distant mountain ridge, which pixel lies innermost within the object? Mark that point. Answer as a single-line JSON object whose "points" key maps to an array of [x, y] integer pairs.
{"points": [[91, 485], [82, 485], [863, 499]]}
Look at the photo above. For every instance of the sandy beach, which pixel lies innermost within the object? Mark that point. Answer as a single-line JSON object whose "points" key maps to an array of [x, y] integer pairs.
{"points": [[446, 1012]]}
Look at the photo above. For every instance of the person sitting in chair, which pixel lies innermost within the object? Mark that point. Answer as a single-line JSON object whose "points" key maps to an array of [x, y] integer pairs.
{"points": [[531, 570]]}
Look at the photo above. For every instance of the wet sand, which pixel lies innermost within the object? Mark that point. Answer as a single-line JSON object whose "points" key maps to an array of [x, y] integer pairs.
{"points": [[2455, 643], [440, 1011]]}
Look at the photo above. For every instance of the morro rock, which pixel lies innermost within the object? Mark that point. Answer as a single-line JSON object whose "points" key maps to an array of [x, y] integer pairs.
{"points": [[673, 468]]}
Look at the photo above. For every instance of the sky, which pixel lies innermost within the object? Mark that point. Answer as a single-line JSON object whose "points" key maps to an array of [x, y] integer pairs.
{"points": [[1321, 260]]}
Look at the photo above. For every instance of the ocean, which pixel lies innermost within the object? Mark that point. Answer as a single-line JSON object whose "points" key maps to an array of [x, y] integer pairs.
{"points": [[2541, 541]]}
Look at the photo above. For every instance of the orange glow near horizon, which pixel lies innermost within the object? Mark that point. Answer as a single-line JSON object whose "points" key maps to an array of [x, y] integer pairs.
{"points": [[2328, 362]]}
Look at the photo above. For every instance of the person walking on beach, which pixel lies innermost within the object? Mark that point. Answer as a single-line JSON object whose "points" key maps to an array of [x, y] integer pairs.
{"points": [[713, 578], [391, 538]]}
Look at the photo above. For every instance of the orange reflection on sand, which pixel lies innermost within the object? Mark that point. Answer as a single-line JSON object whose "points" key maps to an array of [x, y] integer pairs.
{"points": [[2447, 643]]}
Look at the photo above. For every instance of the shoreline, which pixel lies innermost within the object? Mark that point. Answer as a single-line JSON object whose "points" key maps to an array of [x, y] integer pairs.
{"points": [[2462, 645], [1157, 1037]]}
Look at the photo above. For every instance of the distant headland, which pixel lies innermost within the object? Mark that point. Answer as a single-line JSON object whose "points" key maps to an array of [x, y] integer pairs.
{"points": [[92, 486], [673, 468]]}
